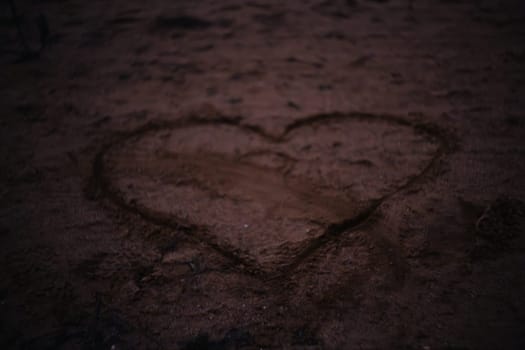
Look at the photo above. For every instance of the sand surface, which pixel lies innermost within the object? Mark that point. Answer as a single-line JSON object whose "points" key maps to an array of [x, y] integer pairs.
{"points": [[263, 175]]}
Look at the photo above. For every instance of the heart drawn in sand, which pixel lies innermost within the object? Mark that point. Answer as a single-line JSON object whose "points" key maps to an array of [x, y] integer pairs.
{"points": [[265, 199]]}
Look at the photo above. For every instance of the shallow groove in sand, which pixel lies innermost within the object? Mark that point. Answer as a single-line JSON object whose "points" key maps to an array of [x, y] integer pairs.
{"points": [[267, 202]]}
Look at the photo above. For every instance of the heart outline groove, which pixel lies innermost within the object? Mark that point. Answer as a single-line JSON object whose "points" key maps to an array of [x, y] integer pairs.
{"points": [[331, 230]]}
